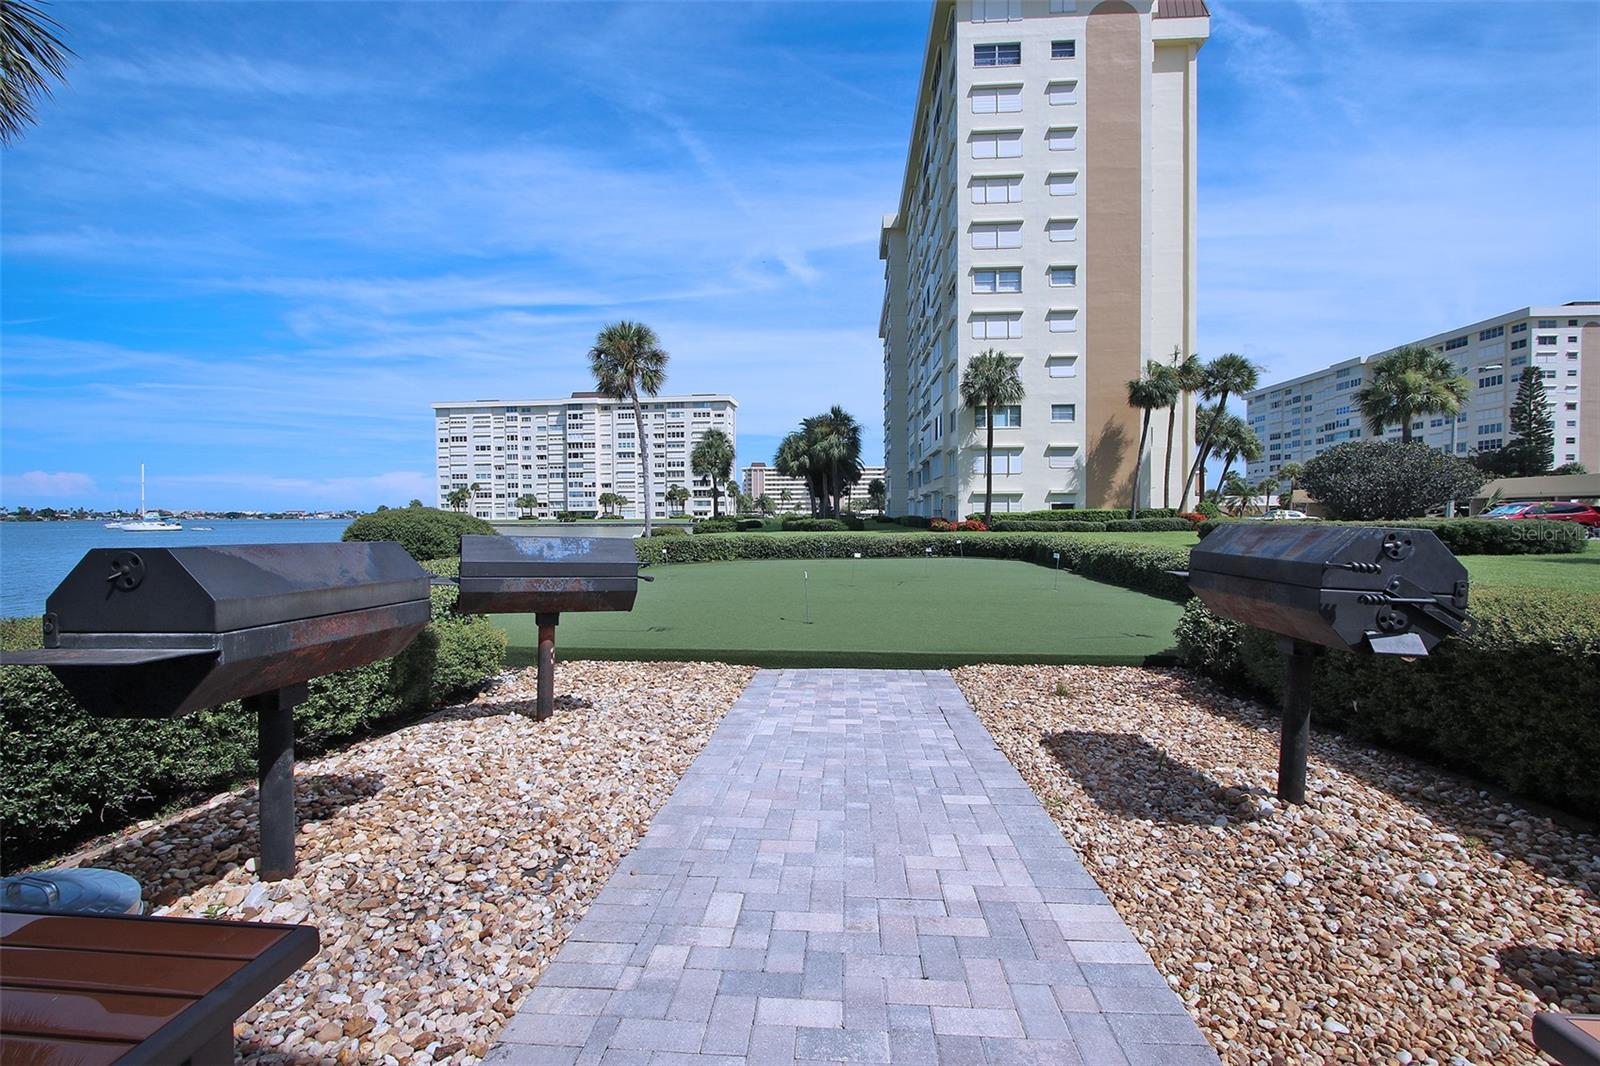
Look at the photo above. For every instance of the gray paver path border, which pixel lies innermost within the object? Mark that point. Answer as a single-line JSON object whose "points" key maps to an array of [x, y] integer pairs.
{"points": [[851, 871]]}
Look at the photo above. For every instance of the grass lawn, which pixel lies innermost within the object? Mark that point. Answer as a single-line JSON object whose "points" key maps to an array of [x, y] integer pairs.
{"points": [[911, 613]]}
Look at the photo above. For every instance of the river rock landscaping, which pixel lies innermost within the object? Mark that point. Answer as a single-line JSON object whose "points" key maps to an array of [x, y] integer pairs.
{"points": [[443, 863], [1402, 916]]}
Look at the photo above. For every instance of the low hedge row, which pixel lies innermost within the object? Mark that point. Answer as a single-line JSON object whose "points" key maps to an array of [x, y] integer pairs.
{"points": [[1089, 514], [1143, 567], [814, 525], [1118, 525], [1477, 536], [67, 775], [424, 532], [1516, 702]]}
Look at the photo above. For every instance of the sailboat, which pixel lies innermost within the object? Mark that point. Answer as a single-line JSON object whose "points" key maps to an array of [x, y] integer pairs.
{"points": [[144, 523]]}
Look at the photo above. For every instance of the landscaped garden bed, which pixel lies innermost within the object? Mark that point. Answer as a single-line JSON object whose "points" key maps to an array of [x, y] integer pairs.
{"points": [[1400, 916], [444, 863]]}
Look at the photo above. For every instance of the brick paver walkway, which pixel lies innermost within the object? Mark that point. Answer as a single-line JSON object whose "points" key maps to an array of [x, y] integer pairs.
{"points": [[851, 871]]}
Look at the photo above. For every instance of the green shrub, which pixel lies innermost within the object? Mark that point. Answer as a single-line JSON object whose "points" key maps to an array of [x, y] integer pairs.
{"points": [[1143, 567], [852, 521], [668, 531], [914, 521], [1209, 509], [813, 525], [566, 516], [1387, 480], [1028, 525], [424, 532], [750, 525], [67, 775], [1478, 536], [1516, 702], [716, 525], [1092, 514], [1150, 525]]}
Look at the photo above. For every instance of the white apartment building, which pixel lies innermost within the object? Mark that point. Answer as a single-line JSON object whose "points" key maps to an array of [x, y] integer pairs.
{"points": [[1047, 210], [1307, 415], [567, 453], [760, 479]]}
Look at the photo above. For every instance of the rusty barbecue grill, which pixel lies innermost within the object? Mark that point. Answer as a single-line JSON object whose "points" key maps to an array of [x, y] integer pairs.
{"points": [[545, 576], [1357, 588], [162, 632]]}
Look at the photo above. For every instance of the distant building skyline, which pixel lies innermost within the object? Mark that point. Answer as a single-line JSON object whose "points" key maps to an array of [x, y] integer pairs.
{"points": [[759, 479]]}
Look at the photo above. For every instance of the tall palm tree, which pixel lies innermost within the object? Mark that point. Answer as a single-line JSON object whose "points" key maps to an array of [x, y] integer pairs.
{"points": [[1189, 374], [627, 360], [989, 381], [712, 457], [1410, 381], [764, 504], [1234, 440], [793, 459], [33, 55], [677, 496], [1228, 374], [526, 503], [833, 442], [784, 499], [1290, 472], [1157, 389]]}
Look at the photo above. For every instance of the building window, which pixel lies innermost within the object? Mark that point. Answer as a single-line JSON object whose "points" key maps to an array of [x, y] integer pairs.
{"points": [[996, 10], [997, 55], [1545, 339], [1062, 184], [996, 235], [1547, 323], [997, 281], [1062, 321], [997, 327], [997, 145], [998, 99], [1062, 229], [1063, 92], [996, 190], [1063, 49], [1063, 7], [1063, 277], [1007, 417], [1063, 412], [1491, 334], [1005, 462], [1062, 139], [1491, 381], [1455, 342], [1065, 366]]}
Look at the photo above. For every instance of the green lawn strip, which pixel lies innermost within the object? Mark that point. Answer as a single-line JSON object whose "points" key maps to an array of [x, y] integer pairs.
{"points": [[876, 612], [1573, 573]]}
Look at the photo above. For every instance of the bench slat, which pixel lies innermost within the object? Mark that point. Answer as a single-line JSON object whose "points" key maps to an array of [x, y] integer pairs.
{"points": [[134, 935], [110, 970], [25, 1051], [45, 1013]]}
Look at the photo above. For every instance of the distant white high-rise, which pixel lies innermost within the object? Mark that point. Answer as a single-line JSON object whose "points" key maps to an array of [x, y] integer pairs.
{"points": [[1307, 415], [762, 480], [568, 453], [1048, 211]]}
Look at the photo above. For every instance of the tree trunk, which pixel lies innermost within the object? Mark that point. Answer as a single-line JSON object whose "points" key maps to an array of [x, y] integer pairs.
{"points": [[1138, 463], [1198, 469], [644, 457], [988, 470], [1222, 481], [1166, 474], [1405, 430], [716, 497]]}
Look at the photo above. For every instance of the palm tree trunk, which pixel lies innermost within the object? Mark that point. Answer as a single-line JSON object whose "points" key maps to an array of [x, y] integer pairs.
{"points": [[988, 470], [1138, 464], [1405, 430], [716, 497], [644, 456], [1200, 457], [1222, 481], [1166, 474]]}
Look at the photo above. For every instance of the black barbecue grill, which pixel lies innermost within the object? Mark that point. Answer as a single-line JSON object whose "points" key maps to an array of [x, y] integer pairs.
{"points": [[162, 632], [1364, 589], [545, 576]]}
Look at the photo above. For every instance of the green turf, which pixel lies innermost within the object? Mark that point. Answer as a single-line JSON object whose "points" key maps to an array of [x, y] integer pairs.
{"points": [[876, 612], [1576, 573]]}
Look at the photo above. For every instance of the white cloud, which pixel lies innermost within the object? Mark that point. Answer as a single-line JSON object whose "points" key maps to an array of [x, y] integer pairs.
{"points": [[36, 484]]}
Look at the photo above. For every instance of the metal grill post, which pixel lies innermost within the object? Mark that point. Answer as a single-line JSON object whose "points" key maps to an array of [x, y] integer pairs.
{"points": [[275, 792], [1299, 660], [546, 704]]}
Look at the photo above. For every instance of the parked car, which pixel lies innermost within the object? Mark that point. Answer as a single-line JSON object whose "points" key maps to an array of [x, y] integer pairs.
{"points": [[1585, 514], [1283, 514]]}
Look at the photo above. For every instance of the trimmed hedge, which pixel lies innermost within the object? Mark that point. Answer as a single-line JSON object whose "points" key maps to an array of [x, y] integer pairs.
{"points": [[424, 532], [1027, 525], [1516, 702], [668, 531], [1090, 514], [67, 775], [716, 525], [1142, 567], [813, 525], [1477, 536], [1150, 525], [750, 525], [915, 521]]}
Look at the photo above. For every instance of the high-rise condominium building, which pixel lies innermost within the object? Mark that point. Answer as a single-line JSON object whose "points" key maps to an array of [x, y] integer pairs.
{"points": [[1047, 211], [1307, 415], [568, 453], [762, 480]]}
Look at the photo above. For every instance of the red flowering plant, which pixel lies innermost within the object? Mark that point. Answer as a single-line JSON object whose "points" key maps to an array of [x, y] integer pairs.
{"points": [[1193, 516], [939, 525], [972, 525]]}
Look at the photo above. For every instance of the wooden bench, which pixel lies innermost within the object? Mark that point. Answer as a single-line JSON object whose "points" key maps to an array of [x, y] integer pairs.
{"points": [[1570, 1039], [93, 990]]}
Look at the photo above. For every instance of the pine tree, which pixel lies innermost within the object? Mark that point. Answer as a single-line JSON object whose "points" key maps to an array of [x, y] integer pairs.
{"points": [[1533, 428]]}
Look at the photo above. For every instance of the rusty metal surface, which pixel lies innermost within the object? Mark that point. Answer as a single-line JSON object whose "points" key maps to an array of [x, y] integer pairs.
{"points": [[483, 556], [530, 595], [98, 656]]}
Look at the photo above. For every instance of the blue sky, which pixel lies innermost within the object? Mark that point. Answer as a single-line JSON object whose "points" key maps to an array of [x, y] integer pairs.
{"points": [[250, 243]]}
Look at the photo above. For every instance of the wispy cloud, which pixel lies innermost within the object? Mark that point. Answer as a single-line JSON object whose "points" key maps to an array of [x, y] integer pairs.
{"points": [[37, 484]]}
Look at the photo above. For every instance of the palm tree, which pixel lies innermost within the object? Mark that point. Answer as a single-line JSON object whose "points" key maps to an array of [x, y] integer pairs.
{"points": [[1265, 488], [1410, 381], [676, 497], [1237, 487], [627, 360], [713, 458], [607, 500], [33, 56], [1189, 375], [785, 498], [1234, 440], [457, 498], [764, 504], [1292, 473], [793, 459], [1228, 374], [526, 503], [833, 442], [989, 381], [1158, 389], [877, 494]]}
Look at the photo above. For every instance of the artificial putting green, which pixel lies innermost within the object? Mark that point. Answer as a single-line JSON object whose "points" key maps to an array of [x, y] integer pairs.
{"points": [[915, 613]]}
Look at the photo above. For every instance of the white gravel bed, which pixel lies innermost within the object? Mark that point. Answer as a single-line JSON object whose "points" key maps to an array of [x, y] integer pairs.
{"points": [[444, 863], [1402, 916]]}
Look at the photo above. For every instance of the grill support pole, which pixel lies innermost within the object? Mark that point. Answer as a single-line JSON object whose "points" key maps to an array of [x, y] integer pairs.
{"points": [[547, 666], [275, 764], [1298, 660]]}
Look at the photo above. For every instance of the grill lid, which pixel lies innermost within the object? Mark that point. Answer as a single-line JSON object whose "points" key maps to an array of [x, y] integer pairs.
{"points": [[486, 556], [221, 588], [1354, 558]]}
